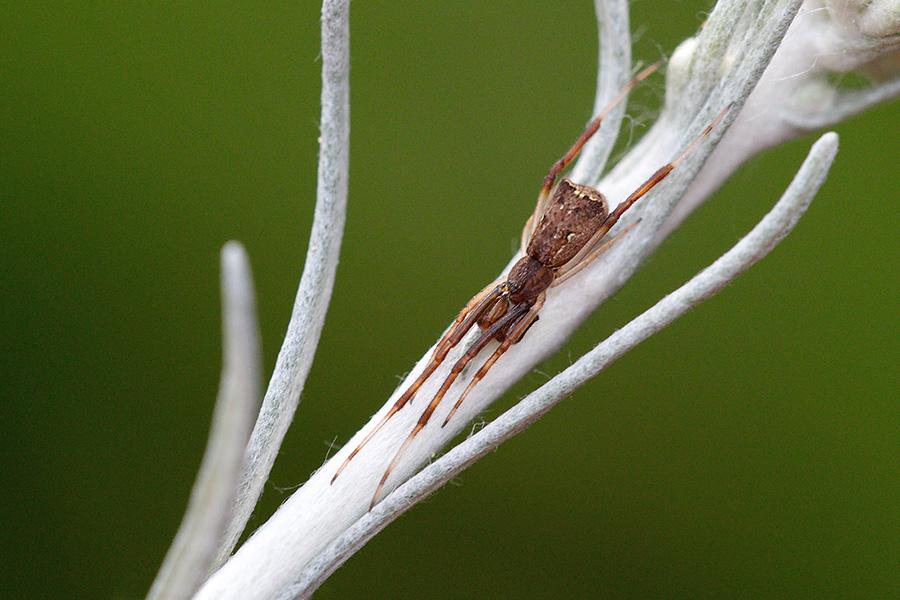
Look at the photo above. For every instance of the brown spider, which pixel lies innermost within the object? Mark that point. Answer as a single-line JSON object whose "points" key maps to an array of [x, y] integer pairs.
{"points": [[561, 238]]}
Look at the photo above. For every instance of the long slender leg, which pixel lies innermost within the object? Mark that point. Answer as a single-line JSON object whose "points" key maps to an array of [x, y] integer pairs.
{"points": [[581, 260], [476, 307], [587, 254], [513, 337], [510, 319], [662, 172], [569, 156]]}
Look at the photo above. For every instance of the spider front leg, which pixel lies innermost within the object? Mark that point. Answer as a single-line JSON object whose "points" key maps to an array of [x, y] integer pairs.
{"points": [[560, 165], [583, 259], [593, 248], [478, 306]]}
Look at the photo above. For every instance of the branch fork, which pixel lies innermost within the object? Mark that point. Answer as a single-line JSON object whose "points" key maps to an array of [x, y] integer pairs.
{"points": [[733, 59]]}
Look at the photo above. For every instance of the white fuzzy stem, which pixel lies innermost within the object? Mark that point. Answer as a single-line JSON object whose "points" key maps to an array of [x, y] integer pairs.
{"points": [[314, 529], [613, 73], [797, 93], [317, 282], [319, 512], [195, 544], [753, 247]]}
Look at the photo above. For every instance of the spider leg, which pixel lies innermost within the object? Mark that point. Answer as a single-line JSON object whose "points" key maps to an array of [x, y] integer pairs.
{"points": [[511, 318], [582, 259], [586, 255], [662, 172], [476, 307], [569, 156], [513, 337]]}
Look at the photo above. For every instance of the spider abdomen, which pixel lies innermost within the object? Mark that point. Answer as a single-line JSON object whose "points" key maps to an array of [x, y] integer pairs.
{"points": [[572, 217]]}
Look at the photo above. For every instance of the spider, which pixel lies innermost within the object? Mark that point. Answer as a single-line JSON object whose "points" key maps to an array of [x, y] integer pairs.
{"points": [[564, 234]]}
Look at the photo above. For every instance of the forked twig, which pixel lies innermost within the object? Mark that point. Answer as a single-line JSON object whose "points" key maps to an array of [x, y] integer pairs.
{"points": [[753, 247], [567, 237], [314, 530]]}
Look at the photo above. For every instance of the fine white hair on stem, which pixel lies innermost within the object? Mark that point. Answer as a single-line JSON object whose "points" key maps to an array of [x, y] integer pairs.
{"points": [[319, 512], [197, 540], [800, 90], [753, 247], [321, 524], [317, 282], [613, 73]]}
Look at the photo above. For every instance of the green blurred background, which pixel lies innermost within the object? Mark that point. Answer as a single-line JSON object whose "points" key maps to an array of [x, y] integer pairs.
{"points": [[748, 451]]}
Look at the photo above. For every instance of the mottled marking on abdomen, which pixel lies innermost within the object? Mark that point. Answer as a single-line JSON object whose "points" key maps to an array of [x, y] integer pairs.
{"points": [[572, 217]]}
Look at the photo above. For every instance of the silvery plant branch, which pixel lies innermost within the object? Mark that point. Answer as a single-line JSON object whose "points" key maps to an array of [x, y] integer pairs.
{"points": [[322, 523], [317, 282], [199, 536], [234, 467], [809, 85]]}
